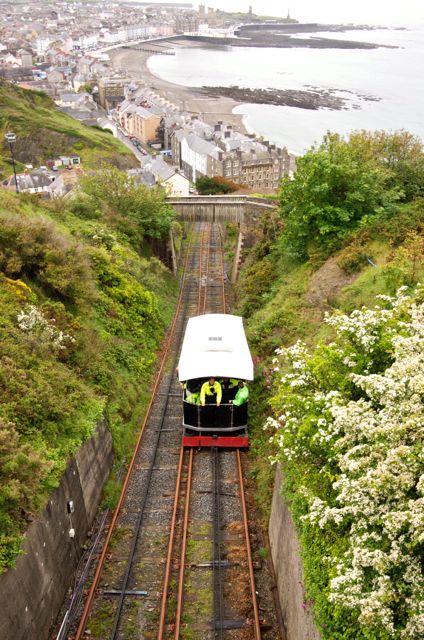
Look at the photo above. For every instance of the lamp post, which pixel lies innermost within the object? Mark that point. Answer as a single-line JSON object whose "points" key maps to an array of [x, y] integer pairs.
{"points": [[11, 139]]}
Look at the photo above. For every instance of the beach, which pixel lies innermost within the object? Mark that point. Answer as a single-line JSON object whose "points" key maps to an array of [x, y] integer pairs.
{"points": [[292, 96], [187, 99]]}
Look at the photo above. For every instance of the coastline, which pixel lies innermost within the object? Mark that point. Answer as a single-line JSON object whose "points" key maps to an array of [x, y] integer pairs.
{"points": [[370, 102], [187, 99]]}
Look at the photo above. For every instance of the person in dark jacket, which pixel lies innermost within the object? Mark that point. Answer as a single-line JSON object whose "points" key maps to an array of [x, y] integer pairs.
{"points": [[229, 389]]}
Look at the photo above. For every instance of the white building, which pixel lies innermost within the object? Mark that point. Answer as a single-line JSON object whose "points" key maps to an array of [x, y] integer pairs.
{"points": [[85, 42], [198, 156]]}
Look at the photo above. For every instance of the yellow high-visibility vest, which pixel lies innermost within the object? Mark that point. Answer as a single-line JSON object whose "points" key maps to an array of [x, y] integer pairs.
{"points": [[211, 390]]}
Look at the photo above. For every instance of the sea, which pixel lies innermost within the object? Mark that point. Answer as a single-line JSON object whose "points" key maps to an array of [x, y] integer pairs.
{"points": [[383, 88]]}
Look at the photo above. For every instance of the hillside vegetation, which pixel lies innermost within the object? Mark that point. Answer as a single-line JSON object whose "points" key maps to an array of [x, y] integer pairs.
{"points": [[43, 132], [336, 315], [83, 308]]}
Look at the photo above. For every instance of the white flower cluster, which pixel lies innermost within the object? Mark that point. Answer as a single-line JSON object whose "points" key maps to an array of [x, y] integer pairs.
{"points": [[376, 444], [32, 320]]}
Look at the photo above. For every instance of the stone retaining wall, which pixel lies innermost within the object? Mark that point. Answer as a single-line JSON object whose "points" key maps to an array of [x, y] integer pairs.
{"points": [[32, 593], [285, 553]]}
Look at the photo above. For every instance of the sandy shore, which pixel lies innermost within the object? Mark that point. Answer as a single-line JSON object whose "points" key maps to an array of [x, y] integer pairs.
{"points": [[211, 109]]}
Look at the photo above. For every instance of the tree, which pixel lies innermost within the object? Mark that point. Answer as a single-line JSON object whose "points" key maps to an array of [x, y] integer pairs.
{"points": [[342, 183], [210, 186], [136, 210]]}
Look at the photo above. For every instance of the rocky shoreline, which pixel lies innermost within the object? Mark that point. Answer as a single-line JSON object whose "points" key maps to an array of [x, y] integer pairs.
{"points": [[282, 41], [313, 98], [218, 102], [303, 35]]}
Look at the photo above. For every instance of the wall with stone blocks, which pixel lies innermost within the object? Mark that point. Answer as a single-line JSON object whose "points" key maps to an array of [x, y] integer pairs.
{"points": [[32, 593]]}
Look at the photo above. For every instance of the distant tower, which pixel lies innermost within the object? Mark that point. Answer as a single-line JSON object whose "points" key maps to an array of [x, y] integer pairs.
{"points": [[250, 10], [288, 14]]}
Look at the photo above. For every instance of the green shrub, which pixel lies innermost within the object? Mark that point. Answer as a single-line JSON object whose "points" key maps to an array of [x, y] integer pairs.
{"points": [[215, 185], [36, 249], [342, 186], [353, 258], [79, 332]]}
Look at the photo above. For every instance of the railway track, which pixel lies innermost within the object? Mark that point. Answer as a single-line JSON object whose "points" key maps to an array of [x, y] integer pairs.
{"points": [[176, 561], [209, 546]]}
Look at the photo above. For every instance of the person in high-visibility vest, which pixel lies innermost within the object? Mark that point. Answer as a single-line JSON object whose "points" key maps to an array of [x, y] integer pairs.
{"points": [[211, 392], [193, 398], [242, 394]]}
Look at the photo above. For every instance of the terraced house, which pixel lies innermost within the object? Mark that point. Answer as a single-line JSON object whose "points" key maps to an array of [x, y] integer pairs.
{"points": [[199, 149]]}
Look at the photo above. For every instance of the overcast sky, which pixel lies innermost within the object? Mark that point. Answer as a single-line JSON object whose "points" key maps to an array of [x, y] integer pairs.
{"points": [[359, 11]]}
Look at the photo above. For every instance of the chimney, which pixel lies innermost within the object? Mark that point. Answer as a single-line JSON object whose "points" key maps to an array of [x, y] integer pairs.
{"points": [[266, 143], [220, 122]]}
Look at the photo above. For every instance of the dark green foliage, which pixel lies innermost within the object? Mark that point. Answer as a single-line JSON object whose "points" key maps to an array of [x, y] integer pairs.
{"points": [[22, 468], [210, 186], [33, 248], [134, 210], [342, 185]]}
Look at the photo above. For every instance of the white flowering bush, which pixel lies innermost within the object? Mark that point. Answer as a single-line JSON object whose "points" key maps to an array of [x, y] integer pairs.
{"points": [[34, 322], [348, 427]]}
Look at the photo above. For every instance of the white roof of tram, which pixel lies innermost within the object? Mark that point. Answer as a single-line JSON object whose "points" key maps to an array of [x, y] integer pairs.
{"points": [[215, 345]]}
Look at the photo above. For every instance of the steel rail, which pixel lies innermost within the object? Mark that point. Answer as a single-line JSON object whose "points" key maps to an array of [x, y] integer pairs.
{"points": [[165, 587], [204, 257], [199, 291], [218, 613], [256, 622], [78, 594], [140, 515], [208, 253], [90, 598], [180, 596], [224, 301]]}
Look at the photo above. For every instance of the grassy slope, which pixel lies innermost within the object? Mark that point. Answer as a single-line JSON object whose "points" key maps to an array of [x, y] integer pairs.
{"points": [[43, 132], [286, 301], [114, 303]]}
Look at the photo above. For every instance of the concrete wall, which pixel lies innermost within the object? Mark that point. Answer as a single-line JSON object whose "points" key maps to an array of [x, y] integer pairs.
{"points": [[32, 593], [243, 210], [285, 553]]}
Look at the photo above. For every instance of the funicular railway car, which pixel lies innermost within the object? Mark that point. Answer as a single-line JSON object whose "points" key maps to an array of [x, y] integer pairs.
{"points": [[214, 368]]}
